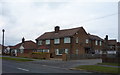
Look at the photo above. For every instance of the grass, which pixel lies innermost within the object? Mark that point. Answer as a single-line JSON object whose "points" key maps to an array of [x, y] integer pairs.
{"points": [[112, 64], [96, 68], [16, 59]]}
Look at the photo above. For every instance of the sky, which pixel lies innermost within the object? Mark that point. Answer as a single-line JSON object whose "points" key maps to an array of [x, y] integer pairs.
{"points": [[32, 18]]}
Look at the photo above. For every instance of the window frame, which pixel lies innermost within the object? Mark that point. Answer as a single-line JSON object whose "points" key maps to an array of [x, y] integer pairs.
{"points": [[40, 42], [66, 51], [58, 41], [96, 42], [67, 40], [77, 40], [77, 51], [47, 42], [87, 41], [100, 43]]}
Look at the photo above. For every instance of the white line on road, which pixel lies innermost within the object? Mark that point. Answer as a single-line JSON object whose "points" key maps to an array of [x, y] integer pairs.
{"points": [[22, 69], [55, 67]]}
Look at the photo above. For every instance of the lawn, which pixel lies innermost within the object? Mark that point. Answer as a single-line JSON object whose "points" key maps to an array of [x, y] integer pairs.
{"points": [[96, 68], [112, 64], [16, 59]]}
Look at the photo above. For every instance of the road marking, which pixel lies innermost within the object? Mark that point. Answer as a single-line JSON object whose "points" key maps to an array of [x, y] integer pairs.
{"points": [[23, 69], [55, 67]]}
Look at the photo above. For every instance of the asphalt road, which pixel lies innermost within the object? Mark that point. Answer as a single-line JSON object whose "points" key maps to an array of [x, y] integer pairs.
{"points": [[9, 66]]}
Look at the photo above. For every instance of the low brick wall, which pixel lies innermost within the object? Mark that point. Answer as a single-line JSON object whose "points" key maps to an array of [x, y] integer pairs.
{"points": [[28, 55], [41, 56], [37, 56]]}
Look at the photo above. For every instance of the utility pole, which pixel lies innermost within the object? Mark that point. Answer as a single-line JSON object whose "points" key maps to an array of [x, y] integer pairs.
{"points": [[3, 41]]}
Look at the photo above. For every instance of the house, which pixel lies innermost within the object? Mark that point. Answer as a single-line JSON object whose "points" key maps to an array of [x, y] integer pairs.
{"points": [[110, 45], [1, 46], [95, 44], [0, 49], [22, 48], [69, 41], [118, 46]]}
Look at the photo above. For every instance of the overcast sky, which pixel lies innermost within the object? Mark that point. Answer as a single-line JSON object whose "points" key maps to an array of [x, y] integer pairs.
{"points": [[32, 18]]}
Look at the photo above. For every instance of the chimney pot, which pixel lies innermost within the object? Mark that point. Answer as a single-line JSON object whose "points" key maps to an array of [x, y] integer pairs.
{"points": [[106, 38], [23, 40], [57, 28]]}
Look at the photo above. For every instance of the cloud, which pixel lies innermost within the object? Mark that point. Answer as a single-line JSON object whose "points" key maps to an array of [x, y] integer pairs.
{"points": [[31, 19]]}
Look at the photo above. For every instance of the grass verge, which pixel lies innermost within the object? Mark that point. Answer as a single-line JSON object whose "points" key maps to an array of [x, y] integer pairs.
{"points": [[96, 68], [16, 59], [112, 64]]}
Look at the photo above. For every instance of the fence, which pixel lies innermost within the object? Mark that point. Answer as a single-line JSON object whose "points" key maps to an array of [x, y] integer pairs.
{"points": [[111, 58], [84, 56]]}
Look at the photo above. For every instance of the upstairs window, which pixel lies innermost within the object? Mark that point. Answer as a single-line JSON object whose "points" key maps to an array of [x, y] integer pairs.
{"points": [[56, 41], [87, 41], [100, 43], [77, 39], [40, 42], [77, 51], [47, 42], [67, 40], [96, 42]]}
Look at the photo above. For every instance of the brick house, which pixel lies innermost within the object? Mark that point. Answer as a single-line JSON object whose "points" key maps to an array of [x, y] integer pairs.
{"points": [[110, 46], [95, 44], [70, 41], [0, 49], [25, 47], [118, 46]]}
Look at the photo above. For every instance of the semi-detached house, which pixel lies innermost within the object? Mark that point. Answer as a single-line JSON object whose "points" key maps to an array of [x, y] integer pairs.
{"points": [[69, 41]]}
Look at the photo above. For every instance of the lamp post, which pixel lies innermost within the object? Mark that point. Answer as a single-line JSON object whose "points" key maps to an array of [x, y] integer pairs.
{"points": [[3, 41]]}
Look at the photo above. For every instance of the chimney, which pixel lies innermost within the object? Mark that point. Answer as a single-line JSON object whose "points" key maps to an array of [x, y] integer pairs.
{"points": [[23, 40], [57, 28], [106, 38]]}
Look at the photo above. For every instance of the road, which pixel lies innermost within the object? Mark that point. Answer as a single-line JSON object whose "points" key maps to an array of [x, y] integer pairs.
{"points": [[9, 66]]}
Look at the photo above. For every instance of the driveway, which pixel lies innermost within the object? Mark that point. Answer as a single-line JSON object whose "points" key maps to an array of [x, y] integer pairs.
{"points": [[67, 64], [64, 64]]}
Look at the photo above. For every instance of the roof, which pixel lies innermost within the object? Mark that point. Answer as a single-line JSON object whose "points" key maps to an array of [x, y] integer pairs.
{"points": [[118, 43], [60, 34], [94, 37], [2, 46], [112, 42], [27, 45]]}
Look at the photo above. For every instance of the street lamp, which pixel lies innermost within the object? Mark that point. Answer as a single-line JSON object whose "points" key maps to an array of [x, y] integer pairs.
{"points": [[3, 41]]}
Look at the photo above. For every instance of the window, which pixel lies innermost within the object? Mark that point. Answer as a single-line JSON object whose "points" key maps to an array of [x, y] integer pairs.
{"points": [[66, 51], [43, 50], [56, 41], [46, 50], [21, 50], [40, 50], [59, 51], [67, 40], [100, 43], [77, 40], [87, 41], [96, 42], [47, 42], [40, 42], [76, 51]]}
